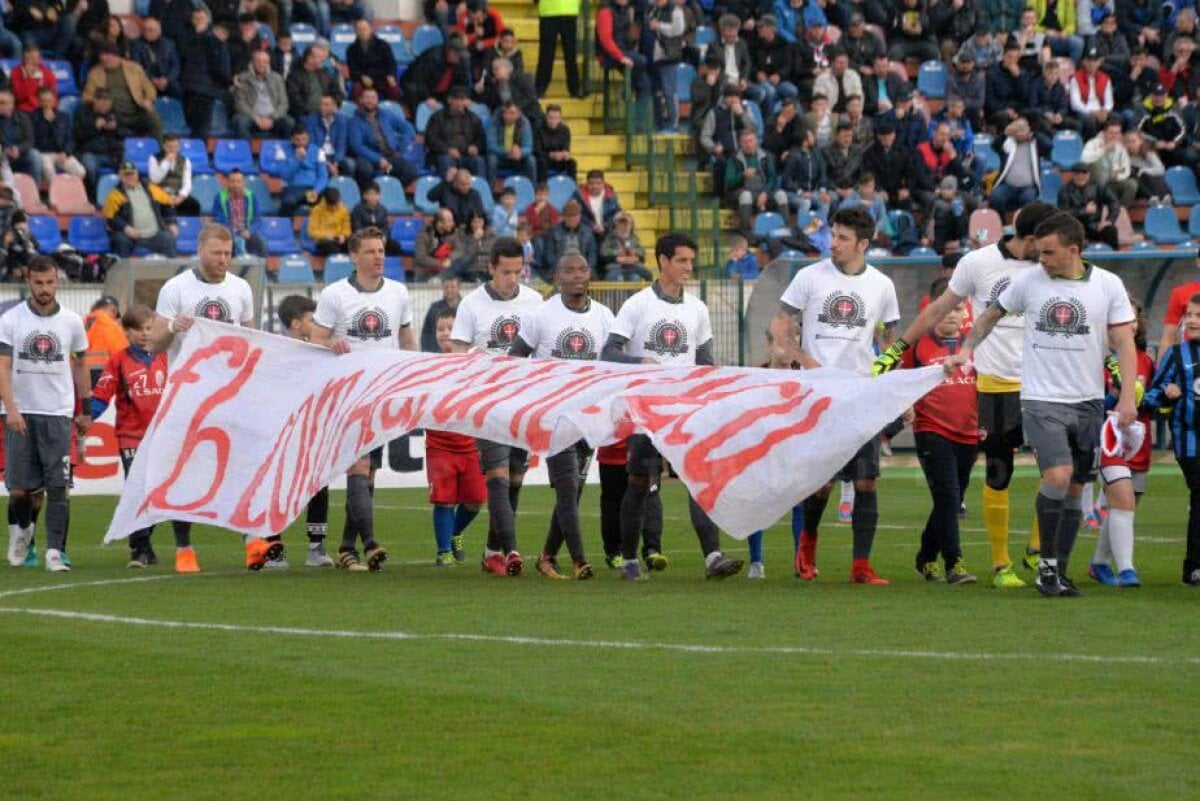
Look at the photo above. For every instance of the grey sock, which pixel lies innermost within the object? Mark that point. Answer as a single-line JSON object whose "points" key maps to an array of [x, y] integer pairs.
{"points": [[501, 511], [633, 513], [360, 510], [1068, 529], [58, 515], [1049, 514]]}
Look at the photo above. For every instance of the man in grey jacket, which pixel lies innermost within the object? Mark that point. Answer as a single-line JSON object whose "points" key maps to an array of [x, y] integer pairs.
{"points": [[260, 101]]}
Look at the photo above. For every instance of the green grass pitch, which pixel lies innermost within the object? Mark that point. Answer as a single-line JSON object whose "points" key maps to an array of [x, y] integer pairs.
{"points": [[791, 691]]}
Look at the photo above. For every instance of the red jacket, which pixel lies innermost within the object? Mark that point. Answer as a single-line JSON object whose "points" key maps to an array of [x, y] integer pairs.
{"points": [[25, 88], [1081, 78], [490, 30], [137, 386]]}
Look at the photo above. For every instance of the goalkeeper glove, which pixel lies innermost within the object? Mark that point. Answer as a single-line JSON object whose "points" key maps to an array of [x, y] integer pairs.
{"points": [[1139, 393], [890, 358], [1114, 369]]}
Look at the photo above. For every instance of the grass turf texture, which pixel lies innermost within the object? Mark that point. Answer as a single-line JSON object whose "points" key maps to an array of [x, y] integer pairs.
{"points": [[104, 710]]}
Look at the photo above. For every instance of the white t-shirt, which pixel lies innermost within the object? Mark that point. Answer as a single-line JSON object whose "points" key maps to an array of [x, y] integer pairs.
{"points": [[230, 301], [42, 347], [369, 320], [1066, 332], [841, 313], [485, 320], [555, 331], [982, 275], [668, 331]]}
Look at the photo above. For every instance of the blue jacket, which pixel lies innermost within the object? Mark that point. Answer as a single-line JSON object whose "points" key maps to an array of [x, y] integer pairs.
{"points": [[339, 131], [396, 130], [1181, 367], [965, 145], [312, 173], [745, 267], [523, 135]]}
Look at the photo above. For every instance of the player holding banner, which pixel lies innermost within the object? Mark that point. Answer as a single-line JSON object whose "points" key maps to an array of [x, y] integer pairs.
{"points": [[363, 312], [1072, 309], [572, 326], [980, 277], [838, 304], [662, 324]]}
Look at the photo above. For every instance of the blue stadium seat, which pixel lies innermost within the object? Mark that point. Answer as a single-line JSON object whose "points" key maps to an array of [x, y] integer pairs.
{"points": [[424, 112], [266, 34], [337, 267], [923, 253], [393, 268], [755, 112], [985, 151], [425, 185], [106, 184], [295, 269], [931, 80], [482, 112], [1051, 183], [1183, 186], [348, 189], [205, 189], [391, 195], [484, 187], [415, 154], [9, 64], [684, 75], [69, 105], [273, 155], [791, 255], [404, 232], [44, 228], [196, 151], [141, 8], [139, 150], [425, 37], [901, 221], [170, 111], [65, 77], [1163, 226], [277, 231], [395, 39], [219, 122], [267, 204], [303, 35], [1098, 247], [561, 189], [1067, 149], [524, 190], [187, 242], [233, 154], [767, 222], [705, 36], [306, 242], [341, 36], [1194, 222], [88, 235]]}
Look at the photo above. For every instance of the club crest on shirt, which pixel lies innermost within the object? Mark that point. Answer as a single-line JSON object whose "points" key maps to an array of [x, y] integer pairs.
{"points": [[1063, 317], [575, 343], [215, 309], [369, 323], [504, 332], [998, 289], [843, 309], [42, 346], [667, 337]]}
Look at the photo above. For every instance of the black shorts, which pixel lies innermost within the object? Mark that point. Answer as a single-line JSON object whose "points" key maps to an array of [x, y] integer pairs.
{"points": [[1000, 430], [127, 455], [643, 459], [864, 465], [377, 458], [494, 454]]}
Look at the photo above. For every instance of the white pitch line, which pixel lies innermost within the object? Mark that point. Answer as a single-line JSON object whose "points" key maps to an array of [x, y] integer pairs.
{"points": [[614, 645]]}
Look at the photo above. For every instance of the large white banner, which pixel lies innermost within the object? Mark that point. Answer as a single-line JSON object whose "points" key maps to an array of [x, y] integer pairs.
{"points": [[251, 425]]}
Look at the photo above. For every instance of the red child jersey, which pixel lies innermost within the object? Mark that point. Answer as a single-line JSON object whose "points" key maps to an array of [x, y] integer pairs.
{"points": [[448, 442], [951, 410], [137, 387], [968, 318], [1177, 303], [612, 454], [1141, 460]]}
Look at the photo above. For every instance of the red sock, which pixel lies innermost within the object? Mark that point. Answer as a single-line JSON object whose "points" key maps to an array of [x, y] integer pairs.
{"points": [[860, 566]]}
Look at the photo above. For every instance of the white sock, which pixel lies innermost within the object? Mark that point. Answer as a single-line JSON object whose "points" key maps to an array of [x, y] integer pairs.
{"points": [[847, 493], [489, 552], [712, 557], [1103, 554], [1085, 500], [1101, 500], [1120, 526]]}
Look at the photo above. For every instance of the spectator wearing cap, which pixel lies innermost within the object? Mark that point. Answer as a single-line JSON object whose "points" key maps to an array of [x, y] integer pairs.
{"points": [[309, 80], [132, 93], [1141, 21], [434, 75], [510, 144], [891, 164], [968, 83], [105, 335], [139, 215], [552, 145], [99, 138], [1108, 161], [706, 90], [1163, 127], [158, 57], [260, 101], [953, 22], [720, 131], [371, 63], [861, 45], [1049, 107], [839, 83], [481, 24], [982, 48], [236, 208], [1056, 19], [1007, 88], [455, 137], [378, 139], [1020, 179], [810, 56], [1091, 94], [1092, 204], [783, 131], [52, 138], [31, 77], [934, 160], [910, 36], [205, 73], [244, 44], [803, 178]]}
